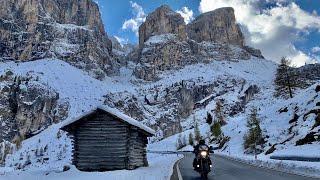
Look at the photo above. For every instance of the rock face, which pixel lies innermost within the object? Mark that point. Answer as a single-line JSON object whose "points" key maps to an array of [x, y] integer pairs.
{"points": [[162, 21], [27, 106], [217, 26], [163, 44], [71, 30], [167, 52], [161, 53]]}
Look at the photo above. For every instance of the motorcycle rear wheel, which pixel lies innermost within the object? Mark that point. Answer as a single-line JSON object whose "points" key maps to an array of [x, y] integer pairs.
{"points": [[204, 176]]}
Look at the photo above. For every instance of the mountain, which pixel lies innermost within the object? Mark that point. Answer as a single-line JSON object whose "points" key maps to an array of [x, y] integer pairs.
{"points": [[71, 30], [171, 80]]}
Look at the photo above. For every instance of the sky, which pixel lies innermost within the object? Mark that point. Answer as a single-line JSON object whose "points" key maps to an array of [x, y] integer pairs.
{"points": [[289, 28]]}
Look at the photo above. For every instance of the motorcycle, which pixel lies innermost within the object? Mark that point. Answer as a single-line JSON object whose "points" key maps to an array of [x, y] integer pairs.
{"points": [[203, 161]]}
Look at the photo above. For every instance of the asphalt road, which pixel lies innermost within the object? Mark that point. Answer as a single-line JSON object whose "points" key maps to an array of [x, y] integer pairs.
{"points": [[225, 169]]}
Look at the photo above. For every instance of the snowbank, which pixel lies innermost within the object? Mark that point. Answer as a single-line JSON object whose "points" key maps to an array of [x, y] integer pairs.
{"points": [[160, 168]]}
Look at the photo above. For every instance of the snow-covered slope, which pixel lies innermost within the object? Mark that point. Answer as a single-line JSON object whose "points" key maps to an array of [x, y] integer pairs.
{"points": [[159, 104]]}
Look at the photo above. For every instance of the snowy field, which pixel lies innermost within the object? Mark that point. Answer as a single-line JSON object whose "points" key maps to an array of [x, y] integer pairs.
{"points": [[160, 168]]}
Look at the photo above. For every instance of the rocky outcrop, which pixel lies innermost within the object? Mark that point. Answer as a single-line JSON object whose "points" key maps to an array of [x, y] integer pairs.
{"points": [[71, 30], [211, 36], [308, 74], [27, 106], [168, 52], [254, 52], [161, 53], [162, 21], [216, 26]]}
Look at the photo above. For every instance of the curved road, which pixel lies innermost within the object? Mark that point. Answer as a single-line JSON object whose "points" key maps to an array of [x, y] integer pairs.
{"points": [[225, 169]]}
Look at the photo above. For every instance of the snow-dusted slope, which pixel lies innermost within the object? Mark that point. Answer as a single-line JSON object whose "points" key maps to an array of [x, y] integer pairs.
{"points": [[73, 85], [217, 79]]}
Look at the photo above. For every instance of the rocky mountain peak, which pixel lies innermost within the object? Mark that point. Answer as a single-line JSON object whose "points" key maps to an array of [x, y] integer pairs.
{"points": [[162, 21], [163, 44], [71, 30], [218, 26]]}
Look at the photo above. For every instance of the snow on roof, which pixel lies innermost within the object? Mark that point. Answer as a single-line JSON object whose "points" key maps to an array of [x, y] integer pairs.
{"points": [[116, 113]]}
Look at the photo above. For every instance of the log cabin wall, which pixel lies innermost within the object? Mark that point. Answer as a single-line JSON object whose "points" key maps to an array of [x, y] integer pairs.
{"points": [[104, 142], [137, 150]]}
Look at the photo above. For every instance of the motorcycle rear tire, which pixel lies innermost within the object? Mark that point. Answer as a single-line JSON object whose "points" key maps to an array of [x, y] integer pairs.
{"points": [[204, 176]]}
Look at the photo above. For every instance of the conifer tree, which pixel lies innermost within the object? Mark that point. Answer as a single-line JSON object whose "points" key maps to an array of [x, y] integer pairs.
{"points": [[216, 129], [209, 118], [219, 113], [191, 140], [197, 135], [254, 135], [286, 79], [179, 142]]}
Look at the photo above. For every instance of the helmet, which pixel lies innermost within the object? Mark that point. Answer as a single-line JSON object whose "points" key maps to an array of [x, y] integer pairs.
{"points": [[202, 141]]}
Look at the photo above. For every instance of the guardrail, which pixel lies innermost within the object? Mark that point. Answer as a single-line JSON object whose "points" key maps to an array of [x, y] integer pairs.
{"points": [[169, 152], [296, 158]]}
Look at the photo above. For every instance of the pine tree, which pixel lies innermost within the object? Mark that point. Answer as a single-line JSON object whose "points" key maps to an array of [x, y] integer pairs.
{"points": [[286, 79], [254, 135], [216, 129], [41, 152], [191, 140], [179, 144], [219, 113], [184, 141], [209, 118], [197, 135]]}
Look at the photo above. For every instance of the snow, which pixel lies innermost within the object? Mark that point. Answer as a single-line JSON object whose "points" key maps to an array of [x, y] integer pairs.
{"points": [[117, 113], [85, 93], [160, 168], [73, 85], [307, 150], [160, 39], [70, 26]]}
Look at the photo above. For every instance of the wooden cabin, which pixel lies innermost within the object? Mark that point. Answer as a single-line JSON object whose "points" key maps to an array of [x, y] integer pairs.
{"points": [[105, 139]]}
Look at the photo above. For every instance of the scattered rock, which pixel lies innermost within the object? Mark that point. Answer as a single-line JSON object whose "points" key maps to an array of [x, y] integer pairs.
{"points": [[318, 88], [282, 110], [309, 138], [254, 52], [271, 150], [66, 168], [295, 119]]}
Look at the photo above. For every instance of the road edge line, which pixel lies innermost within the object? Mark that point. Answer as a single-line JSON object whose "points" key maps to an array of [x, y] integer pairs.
{"points": [[178, 171], [174, 169], [264, 167]]}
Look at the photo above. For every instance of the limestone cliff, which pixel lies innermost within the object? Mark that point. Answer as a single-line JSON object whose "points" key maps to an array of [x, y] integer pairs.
{"points": [[217, 26], [71, 30], [162, 21]]}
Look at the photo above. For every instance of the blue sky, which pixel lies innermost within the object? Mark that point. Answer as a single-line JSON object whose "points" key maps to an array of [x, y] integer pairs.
{"points": [[116, 12], [278, 27]]}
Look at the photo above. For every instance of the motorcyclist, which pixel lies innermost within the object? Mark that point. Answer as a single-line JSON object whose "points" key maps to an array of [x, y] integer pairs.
{"points": [[196, 151]]}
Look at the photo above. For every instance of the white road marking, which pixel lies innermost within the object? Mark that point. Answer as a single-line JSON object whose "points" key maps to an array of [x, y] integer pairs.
{"points": [[178, 171]]}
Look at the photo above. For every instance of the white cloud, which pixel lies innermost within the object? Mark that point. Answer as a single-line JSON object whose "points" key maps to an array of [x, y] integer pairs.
{"points": [[186, 13], [273, 30], [316, 49], [134, 23]]}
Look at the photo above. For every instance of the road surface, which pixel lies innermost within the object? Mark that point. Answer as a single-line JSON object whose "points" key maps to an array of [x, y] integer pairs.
{"points": [[225, 169]]}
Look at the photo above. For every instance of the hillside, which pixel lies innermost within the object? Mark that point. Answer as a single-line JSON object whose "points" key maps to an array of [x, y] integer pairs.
{"points": [[170, 82]]}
